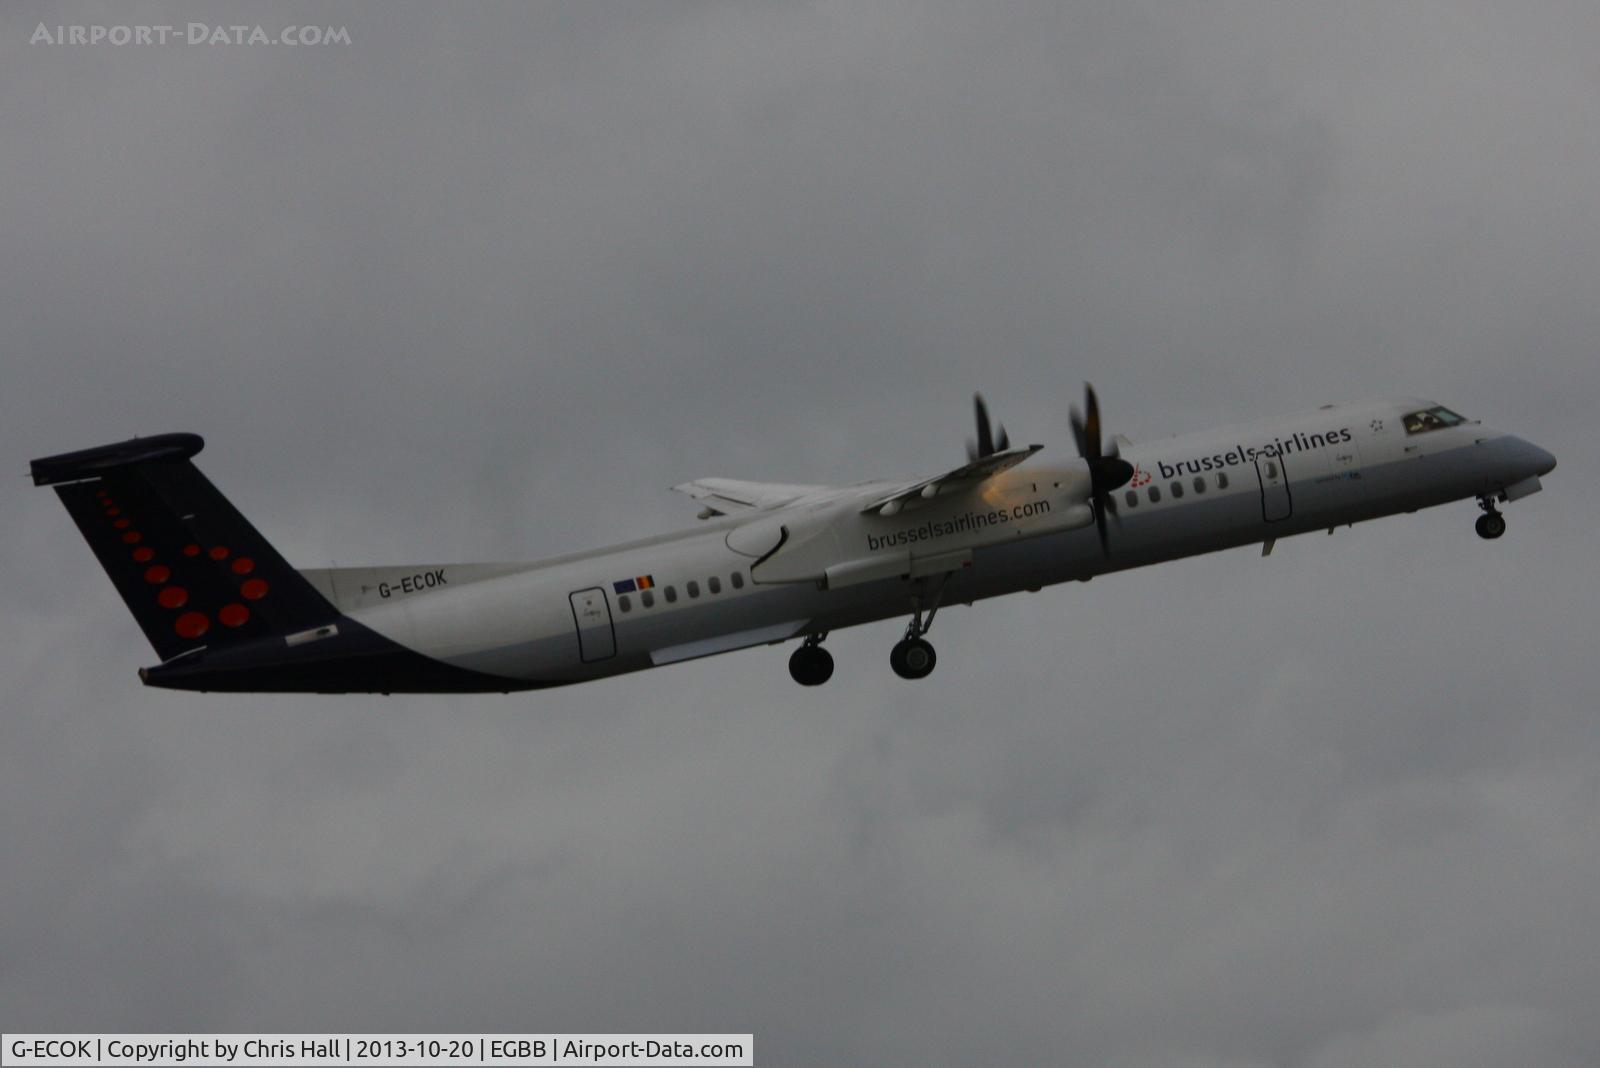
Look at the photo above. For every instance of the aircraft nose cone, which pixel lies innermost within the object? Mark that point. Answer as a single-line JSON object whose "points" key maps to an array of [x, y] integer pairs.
{"points": [[1538, 461], [1530, 459], [1547, 461]]}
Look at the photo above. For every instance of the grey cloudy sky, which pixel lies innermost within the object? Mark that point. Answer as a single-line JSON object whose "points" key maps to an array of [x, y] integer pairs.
{"points": [[484, 282]]}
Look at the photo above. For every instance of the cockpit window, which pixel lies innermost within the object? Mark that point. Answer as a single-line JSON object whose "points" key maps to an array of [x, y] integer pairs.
{"points": [[1431, 419]]}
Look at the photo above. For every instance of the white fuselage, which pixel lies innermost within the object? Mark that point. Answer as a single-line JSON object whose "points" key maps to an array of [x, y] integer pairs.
{"points": [[721, 586]]}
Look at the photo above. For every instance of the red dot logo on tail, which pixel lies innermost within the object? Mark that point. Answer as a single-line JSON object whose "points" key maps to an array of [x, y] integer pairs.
{"points": [[191, 625]]}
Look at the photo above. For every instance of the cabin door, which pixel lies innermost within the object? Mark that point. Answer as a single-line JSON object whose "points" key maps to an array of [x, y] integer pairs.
{"points": [[1276, 503], [597, 640]]}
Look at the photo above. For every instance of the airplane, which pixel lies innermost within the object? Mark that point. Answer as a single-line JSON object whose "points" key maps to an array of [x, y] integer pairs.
{"points": [[769, 563]]}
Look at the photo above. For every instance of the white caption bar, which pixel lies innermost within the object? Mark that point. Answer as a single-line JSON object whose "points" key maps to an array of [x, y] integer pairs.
{"points": [[378, 1051]]}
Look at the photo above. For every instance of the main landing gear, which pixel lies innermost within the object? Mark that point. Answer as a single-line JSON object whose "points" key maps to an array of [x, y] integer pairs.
{"points": [[1491, 524], [811, 664], [912, 656]]}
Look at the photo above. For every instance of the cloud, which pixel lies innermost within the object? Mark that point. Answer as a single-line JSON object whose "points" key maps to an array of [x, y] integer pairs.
{"points": [[481, 284]]}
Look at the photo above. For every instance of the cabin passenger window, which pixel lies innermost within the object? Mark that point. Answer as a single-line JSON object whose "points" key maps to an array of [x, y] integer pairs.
{"points": [[624, 603], [672, 593], [1132, 498], [1155, 494], [737, 579], [1222, 480], [1177, 490], [1272, 469], [647, 599], [714, 584], [693, 587], [1199, 484]]}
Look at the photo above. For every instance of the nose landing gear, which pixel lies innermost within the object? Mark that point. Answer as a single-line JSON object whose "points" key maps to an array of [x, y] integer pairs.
{"points": [[1491, 524], [811, 664]]}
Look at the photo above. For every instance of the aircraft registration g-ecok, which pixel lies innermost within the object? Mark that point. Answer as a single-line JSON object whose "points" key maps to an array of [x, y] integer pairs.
{"points": [[770, 563]]}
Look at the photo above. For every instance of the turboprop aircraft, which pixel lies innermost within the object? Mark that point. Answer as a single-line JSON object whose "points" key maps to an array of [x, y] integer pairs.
{"points": [[769, 563]]}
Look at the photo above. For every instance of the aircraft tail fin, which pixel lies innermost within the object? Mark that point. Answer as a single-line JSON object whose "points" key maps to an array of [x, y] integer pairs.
{"points": [[192, 570]]}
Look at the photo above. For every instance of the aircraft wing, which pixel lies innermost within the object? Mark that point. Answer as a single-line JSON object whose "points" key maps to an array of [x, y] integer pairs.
{"points": [[967, 475], [732, 496]]}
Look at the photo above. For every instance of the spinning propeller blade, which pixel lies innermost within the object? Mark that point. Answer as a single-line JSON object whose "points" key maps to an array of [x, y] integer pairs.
{"points": [[1108, 471], [987, 443]]}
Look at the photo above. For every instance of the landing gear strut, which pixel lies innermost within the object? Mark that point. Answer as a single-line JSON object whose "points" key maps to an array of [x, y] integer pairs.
{"points": [[912, 657], [811, 664], [1491, 524]]}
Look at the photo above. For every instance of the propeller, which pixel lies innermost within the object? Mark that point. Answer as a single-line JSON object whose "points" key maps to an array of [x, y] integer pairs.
{"points": [[987, 444], [1108, 472]]}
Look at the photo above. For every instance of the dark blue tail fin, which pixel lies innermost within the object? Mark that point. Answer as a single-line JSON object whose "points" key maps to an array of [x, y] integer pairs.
{"points": [[192, 570]]}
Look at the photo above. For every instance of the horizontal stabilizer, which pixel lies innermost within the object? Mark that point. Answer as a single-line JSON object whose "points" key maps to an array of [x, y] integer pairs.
{"points": [[88, 463]]}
